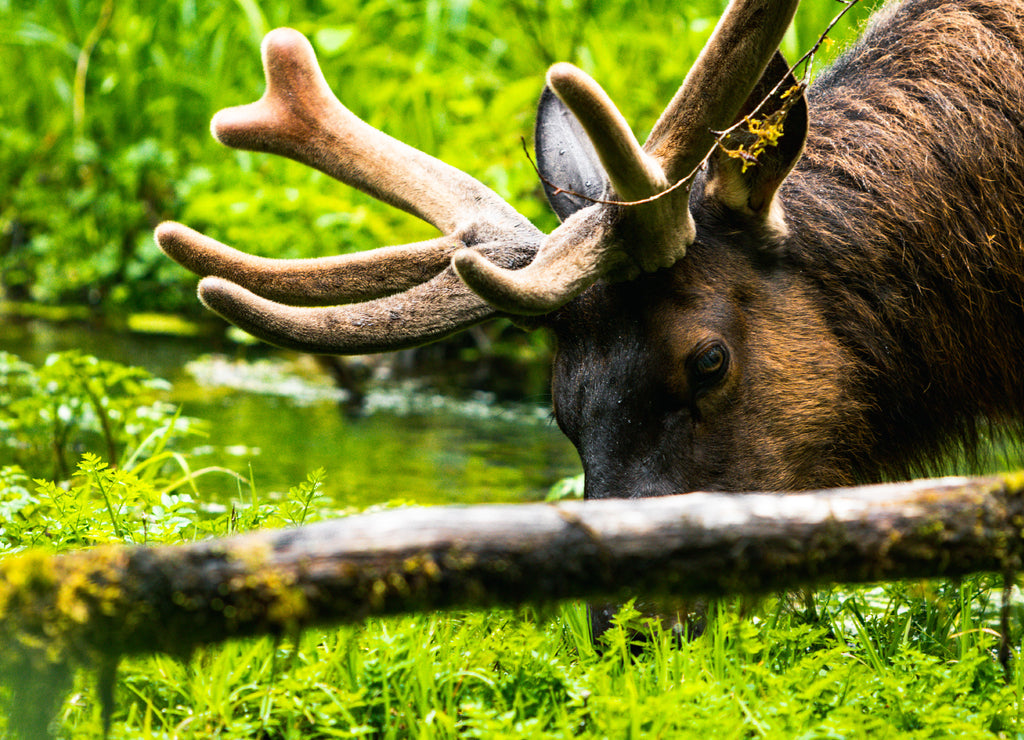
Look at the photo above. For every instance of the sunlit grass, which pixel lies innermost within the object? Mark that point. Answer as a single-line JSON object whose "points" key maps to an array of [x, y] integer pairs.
{"points": [[767, 671]]}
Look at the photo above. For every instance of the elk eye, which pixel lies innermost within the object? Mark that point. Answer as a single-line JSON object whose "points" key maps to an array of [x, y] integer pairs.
{"points": [[709, 365]]}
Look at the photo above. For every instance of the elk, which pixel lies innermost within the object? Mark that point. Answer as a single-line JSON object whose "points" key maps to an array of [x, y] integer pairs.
{"points": [[846, 308]]}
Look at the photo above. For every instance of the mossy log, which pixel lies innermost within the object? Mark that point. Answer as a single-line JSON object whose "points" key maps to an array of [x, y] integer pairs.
{"points": [[90, 608], [112, 601]]}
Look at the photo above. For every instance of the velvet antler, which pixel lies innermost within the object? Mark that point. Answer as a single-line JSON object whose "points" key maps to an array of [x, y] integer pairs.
{"points": [[490, 259]]}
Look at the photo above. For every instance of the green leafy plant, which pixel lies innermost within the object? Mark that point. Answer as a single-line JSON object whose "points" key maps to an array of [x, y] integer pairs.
{"points": [[76, 403]]}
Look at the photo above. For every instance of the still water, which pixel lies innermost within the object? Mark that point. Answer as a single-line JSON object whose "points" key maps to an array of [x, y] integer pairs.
{"points": [[273, 417]]}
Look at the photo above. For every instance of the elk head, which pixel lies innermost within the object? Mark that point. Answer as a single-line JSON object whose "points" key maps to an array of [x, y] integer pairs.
{"points": [[690, 353]]}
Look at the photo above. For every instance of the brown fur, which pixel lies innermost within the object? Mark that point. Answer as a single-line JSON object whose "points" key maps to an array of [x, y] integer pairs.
{"points": [[883, 327]]}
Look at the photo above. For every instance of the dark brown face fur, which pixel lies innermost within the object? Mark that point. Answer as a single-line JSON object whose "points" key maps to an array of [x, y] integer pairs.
{"points": [[719, 374], [882, 324]]}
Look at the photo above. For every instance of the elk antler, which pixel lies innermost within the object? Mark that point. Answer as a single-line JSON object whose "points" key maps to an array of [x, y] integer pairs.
{"points": [[618, 241], [407, 295], [404, 295]]}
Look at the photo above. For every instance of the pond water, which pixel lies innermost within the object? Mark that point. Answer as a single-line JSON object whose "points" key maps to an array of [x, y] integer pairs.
{"points": [[275, 417]]}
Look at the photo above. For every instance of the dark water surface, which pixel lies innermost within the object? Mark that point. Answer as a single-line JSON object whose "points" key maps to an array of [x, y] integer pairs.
{"points": [[275, 417]]}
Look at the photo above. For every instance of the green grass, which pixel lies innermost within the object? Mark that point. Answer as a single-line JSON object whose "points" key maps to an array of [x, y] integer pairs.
{"points": [[762, 672]]}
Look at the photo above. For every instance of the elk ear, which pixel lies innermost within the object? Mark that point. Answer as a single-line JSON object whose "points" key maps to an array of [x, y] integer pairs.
{"points": [[566, 159], [749, 186]]}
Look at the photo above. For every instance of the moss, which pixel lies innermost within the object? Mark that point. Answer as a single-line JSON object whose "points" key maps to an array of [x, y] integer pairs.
{"points": [[51, 614], [53, 608], [1013, 483], [930, 529], [27, 586], [261, 590]]}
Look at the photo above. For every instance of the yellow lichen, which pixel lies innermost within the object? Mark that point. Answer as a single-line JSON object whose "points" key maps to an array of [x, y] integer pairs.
{"points": [[431, 569], [398, 583], [288, 607], [48, 606], [760, 133], [261, 589], [1013, 483]]}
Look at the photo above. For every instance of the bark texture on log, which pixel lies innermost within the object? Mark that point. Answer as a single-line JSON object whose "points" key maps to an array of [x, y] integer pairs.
{"points": [[104, 603]]}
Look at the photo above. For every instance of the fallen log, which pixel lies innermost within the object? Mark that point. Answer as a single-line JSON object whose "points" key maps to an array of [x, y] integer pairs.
{"points": [[94, 606], [122, 600], [91, 608]]}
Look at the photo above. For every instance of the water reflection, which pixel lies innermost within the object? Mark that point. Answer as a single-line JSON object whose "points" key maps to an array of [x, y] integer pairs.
{"points": [[411, 444]]}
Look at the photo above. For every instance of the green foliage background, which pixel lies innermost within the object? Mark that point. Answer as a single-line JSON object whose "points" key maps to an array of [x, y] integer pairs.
{"points": [[104, 112], [105, 107]]}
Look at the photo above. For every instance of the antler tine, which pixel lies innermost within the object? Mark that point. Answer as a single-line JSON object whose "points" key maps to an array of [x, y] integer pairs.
{"points": [[587, 246], [568, 263], [427, 312], [320, 281], [746, 36], [616, 241], [408, 295], [633, 173], [299, 117]]}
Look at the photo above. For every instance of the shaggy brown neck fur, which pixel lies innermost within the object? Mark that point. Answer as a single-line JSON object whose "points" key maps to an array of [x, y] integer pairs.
{"points": [[910, 219]]}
